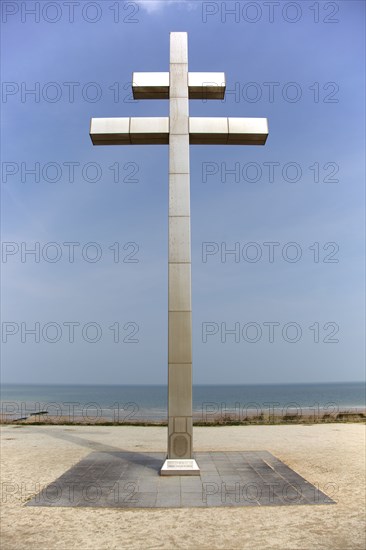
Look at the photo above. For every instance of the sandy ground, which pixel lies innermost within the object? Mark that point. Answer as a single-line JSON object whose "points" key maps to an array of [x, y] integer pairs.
{"points": [[332, 456]]}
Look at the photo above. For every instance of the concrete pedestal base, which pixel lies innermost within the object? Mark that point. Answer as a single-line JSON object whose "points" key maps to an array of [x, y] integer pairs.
{"points": [[177, 467]]}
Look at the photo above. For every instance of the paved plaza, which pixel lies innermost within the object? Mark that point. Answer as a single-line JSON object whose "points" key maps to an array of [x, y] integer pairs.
{"points": [[132, 480]]}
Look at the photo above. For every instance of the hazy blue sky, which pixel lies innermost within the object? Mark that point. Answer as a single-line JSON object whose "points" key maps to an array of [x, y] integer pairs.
{"points": [[301, 65]]}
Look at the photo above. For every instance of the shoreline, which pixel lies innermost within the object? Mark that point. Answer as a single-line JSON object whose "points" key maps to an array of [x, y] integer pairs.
{"points": [[347, 415]]}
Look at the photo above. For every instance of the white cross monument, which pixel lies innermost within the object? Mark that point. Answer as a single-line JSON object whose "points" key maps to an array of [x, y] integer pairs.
{"points": [[179, 130]]}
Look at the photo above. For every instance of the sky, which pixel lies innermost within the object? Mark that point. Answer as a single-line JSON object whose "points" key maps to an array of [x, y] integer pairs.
{"points": [[89, 304]]}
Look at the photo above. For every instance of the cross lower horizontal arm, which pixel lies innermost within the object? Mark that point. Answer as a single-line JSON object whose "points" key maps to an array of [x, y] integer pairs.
{"points": [[202, 131]]}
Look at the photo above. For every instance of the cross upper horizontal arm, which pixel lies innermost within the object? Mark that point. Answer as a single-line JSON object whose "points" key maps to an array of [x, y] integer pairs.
{"points": [[200, 85], [150, 85], [206, 85]]}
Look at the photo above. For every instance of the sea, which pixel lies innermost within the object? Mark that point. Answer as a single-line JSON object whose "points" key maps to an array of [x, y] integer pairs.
{"points": [[149, 403]]}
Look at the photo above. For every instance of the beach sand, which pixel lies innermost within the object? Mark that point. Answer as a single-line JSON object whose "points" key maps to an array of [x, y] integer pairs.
{"points": [[331, 456]]}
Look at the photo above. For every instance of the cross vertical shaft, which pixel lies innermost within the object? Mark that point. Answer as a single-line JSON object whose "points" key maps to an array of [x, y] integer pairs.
{"points": [[179, 130], [179, 300]]}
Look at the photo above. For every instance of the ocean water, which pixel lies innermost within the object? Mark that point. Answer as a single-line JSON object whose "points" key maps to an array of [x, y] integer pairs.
{"points": [[139, 402]]}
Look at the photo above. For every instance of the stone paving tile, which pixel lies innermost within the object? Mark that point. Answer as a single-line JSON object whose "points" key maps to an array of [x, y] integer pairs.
{"points": [[132, 480], [188, 481], [168, 501]]}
